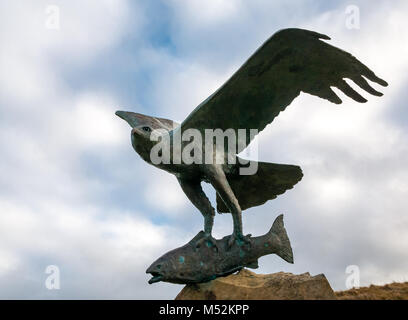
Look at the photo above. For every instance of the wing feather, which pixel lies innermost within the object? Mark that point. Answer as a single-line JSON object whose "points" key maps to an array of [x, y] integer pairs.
{"points": [[291, 61]]}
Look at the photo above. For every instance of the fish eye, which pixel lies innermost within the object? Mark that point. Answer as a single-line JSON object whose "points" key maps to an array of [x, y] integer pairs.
{"points": [[147, 129]]}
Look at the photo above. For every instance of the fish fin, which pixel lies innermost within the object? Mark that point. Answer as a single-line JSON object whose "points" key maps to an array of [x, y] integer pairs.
{"points": [[285, 249], [196, 238], [226, 273], [252, 265]]}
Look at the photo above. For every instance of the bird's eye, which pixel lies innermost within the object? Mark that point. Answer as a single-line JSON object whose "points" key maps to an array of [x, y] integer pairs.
{"points": [[147, 129]]}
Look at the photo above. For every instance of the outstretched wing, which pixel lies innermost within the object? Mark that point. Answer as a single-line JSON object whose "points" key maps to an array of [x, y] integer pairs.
{"points": [[137, 120], [291, 61]]}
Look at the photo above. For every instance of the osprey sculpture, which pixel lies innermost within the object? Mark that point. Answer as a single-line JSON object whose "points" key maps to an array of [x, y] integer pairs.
{"points": [[290, 62]]}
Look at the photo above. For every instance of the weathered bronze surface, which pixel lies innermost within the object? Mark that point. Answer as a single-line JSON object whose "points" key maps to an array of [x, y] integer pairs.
{"points": [[192, 264], [290, 62]]}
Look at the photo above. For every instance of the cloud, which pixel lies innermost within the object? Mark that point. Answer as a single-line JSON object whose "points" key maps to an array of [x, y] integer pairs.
{"points": [[208, 13], [87, 245], [164, 193], [93, 121]]}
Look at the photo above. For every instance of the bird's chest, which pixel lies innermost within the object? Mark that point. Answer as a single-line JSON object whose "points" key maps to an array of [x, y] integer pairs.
{"points": [[181, 170]]}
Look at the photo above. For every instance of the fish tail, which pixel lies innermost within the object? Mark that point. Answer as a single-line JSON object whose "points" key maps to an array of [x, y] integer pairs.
{"points": [[285, 249]]}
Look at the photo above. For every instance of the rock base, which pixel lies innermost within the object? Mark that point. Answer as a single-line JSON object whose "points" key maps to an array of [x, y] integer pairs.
{"points": [[391, 291], [247, 285]]}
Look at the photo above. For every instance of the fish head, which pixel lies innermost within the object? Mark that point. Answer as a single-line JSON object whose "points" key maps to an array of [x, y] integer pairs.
{"points": [[159, 271], [172, 268], [186, 264]]}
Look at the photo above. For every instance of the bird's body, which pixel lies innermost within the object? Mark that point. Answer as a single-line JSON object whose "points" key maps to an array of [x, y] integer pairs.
{"points": [[291, 61]]}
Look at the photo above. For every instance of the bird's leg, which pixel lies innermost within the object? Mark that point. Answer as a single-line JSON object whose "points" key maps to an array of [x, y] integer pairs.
{"points": [[221, 185], [193, 190]]}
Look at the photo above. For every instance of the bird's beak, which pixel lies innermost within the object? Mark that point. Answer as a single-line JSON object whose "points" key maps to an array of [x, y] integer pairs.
{"points": [[129, 117]]}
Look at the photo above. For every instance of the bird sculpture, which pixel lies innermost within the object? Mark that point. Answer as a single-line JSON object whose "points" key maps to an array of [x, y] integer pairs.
{"points": [[290, 62]]}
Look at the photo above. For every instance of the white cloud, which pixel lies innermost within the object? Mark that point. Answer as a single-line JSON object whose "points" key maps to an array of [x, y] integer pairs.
{"points": [[32, 54], [91, 242], [207, 13], [162, 191], [94, 122]]}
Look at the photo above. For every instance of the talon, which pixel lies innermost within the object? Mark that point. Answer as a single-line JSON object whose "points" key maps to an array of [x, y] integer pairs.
{"points": [[209, 240], [231, 241]]}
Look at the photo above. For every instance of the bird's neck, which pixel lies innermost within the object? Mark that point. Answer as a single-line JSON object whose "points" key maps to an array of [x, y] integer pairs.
{"points": [[143, 148]]}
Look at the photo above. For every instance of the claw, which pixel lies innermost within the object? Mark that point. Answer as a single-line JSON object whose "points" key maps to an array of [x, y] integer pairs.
{"points": [[240, 239], [209, 240]]}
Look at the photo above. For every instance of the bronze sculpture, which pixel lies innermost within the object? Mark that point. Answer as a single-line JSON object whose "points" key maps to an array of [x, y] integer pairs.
{"points": [[188, 264], [291, 61]]}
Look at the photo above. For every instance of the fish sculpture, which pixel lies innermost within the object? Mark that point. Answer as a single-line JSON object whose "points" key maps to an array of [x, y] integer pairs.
{"points": [[192, 264]]}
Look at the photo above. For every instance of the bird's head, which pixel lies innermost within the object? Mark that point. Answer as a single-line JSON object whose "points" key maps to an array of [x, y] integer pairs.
{"points": [[143, 127]]}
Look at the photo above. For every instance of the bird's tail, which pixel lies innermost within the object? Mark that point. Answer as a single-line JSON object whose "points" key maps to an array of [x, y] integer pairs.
{"points": [[267, 182], [285, 249]]}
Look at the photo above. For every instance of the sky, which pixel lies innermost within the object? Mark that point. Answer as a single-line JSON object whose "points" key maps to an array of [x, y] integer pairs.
{"points": [[74, 194]]}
